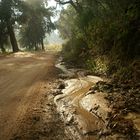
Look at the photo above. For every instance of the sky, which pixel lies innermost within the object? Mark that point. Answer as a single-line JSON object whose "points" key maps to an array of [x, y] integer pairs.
{"points": [[54, 38], [51, 3]]}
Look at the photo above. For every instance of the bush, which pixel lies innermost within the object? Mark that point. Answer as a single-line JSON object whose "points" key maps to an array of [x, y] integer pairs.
{"points": [[73, 51], [97, 65], [123, 74], [110, 31]]}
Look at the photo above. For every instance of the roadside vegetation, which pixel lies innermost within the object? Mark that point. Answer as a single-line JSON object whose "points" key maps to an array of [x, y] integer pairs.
{"points": [[103, 36], [83, 84]]}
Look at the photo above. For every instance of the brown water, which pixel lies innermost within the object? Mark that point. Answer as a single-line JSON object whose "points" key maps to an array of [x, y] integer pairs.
{"points": [[85, 113], [73, 108]]}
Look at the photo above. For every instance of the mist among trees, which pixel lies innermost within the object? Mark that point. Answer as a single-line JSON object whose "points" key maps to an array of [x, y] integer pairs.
{"points": [[31, 18]]}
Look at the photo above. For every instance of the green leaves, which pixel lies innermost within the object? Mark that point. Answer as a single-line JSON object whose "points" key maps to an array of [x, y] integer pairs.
{"points": [[36, 23], [108, 28]]}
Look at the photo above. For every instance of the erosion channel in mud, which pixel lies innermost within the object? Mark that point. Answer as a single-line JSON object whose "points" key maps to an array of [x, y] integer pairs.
{"points": [[84, 111]]}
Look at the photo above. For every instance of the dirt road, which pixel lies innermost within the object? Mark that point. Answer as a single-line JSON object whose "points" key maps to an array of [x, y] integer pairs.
{"points": [[24, 77]]}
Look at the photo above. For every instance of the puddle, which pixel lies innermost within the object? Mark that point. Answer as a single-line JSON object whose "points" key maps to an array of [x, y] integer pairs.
{"points": [[84, 111], [73, 107], [66, 73]]}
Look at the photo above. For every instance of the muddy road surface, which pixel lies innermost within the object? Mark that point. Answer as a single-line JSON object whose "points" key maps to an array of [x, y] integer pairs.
{"points": [[24, 78]]}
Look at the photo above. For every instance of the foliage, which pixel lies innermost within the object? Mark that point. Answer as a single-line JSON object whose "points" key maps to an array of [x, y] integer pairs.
{"points": [[36, 21], [31, 18], [73, 51], [8, 16], [108, 28]]}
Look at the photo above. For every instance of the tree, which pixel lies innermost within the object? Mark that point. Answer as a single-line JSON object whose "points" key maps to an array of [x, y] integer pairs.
{"points": [[67, 23], [7, 18], [37, 23], [110, 30], [75, 4], [3, 35]]}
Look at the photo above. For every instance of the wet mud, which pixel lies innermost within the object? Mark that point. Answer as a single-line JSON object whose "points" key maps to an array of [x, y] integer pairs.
{"points": [[86, 110]]}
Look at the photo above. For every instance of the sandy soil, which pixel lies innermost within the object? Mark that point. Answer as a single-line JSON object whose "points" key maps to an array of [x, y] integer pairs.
{"points": [[24, 78]]}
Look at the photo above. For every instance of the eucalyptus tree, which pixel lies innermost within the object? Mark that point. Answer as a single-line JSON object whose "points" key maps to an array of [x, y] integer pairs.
{"points": [[8, 16], [3, 35], [37, 22]]}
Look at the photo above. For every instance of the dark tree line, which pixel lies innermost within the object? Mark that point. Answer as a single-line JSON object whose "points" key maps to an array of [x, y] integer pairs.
{"points": [[7, 21], [31, 18], [36, 24]]}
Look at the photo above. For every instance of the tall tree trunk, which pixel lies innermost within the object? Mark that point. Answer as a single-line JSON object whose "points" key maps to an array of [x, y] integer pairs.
{"points": [[36, 47], [12, 38], [2, 47], [42, 44]]}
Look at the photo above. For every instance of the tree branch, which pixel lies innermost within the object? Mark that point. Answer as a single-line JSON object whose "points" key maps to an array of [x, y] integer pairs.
{"points": [[75, 6], [63, 2]]}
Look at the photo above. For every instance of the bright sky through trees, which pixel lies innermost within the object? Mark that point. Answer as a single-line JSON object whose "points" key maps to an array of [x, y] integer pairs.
{"points": [[51, 3]]}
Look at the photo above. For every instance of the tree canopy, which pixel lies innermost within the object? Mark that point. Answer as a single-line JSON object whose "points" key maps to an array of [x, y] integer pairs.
{"points": [[103, 34], [37, 23], [32, 18]]}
